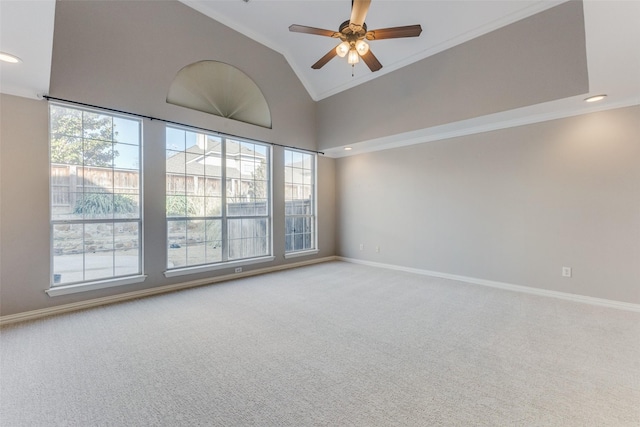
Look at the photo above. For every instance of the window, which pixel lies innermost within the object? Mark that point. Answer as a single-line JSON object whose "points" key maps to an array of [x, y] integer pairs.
{"points": [[300, 201], [96, 218], [217, 199]]}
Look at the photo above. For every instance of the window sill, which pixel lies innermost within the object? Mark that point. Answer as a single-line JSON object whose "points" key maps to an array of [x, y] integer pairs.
{"points": [[92, 286], [204, 268], [300, 253]]}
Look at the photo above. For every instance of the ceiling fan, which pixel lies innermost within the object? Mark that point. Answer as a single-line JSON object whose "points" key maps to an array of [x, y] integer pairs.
{"points": [[354, 34]]}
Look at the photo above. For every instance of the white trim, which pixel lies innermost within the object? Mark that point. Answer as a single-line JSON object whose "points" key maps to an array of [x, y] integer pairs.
{"points": [[214, 267], [67, 308], [507, 286], [300, 253], [92, 286]]}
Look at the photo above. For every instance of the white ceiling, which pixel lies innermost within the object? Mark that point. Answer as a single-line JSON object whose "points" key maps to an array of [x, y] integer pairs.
{"points": [[444, 24], [612, 38], [26, 31]]}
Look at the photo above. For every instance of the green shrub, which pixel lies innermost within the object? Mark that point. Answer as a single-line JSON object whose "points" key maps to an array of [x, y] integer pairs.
{"points": [[105, 203]]}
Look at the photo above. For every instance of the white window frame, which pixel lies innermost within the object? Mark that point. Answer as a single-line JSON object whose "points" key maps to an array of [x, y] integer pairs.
{"points": [[84, 285], [224, 217], [313, 216]]}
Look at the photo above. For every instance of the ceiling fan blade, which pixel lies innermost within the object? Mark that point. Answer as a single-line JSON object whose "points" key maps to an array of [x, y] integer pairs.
{"points": [[311, 30], [372, 62], [359, 9], [323, 61], [394, 33]]}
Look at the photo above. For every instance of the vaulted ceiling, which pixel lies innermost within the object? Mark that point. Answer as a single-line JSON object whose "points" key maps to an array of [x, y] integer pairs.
{"points": [[611, 30], [444, 23], [613, 39]]}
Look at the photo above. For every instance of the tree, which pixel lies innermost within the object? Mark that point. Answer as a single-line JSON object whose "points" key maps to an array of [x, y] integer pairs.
{"points": [[257, 187], [81, 137]]}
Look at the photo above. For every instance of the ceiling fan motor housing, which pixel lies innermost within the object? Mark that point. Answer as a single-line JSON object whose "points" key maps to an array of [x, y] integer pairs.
{"points": [[352, 32]]}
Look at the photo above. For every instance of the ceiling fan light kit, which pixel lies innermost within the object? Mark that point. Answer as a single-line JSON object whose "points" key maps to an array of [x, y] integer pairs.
{"points": [[353, 35]]}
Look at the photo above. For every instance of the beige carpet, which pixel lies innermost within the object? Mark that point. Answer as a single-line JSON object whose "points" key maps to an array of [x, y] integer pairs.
{"points": [[333, 344]]}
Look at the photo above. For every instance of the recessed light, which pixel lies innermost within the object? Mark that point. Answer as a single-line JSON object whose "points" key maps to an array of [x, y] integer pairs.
{"points": [[595, 98], [347, 148], [7, 57]]}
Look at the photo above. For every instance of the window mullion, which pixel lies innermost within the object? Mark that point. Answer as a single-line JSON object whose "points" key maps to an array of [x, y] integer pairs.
{"points": [[224, 231]]}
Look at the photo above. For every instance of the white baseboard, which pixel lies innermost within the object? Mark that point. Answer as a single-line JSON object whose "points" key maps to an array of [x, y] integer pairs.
{"points": [[66, 308], [510, 287]]}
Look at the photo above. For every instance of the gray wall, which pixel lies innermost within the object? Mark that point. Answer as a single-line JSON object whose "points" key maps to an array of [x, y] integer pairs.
{"points": [[124, 55], [537, 59], [514, 205]]}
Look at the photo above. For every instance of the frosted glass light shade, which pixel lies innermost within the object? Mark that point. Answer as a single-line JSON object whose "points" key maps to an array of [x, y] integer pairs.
{"points": [[353, 57], [362, 47], [342, 49]]}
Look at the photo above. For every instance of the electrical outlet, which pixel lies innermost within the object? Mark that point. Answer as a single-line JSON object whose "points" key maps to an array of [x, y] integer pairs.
{"points": [[238, 269], [377, 248], [566, 271], [362, 246]]}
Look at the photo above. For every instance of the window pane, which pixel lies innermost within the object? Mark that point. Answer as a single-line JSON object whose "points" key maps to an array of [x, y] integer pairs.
{"points": [[261, 229], [175, 139], [126, 130], [66, 121], [66, 150], [288, 175], [288, 225], [127, 248], [68, 249], [213, 187], [176, 205], [195, 206], [288, 158], [307, 241], [96, 206], [213, 241], [262, 207], [95, 179], [97, 126], [297, 177], [259, 189], [126, 156], [176, 161], [126, 182], [307, 161], [126, 206], [177, 237], [297, 159], [97, 153], [247, 167], [289, 243], [196, 242], [194, 142], [98, 251], [213, 206], [176, 184]]}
